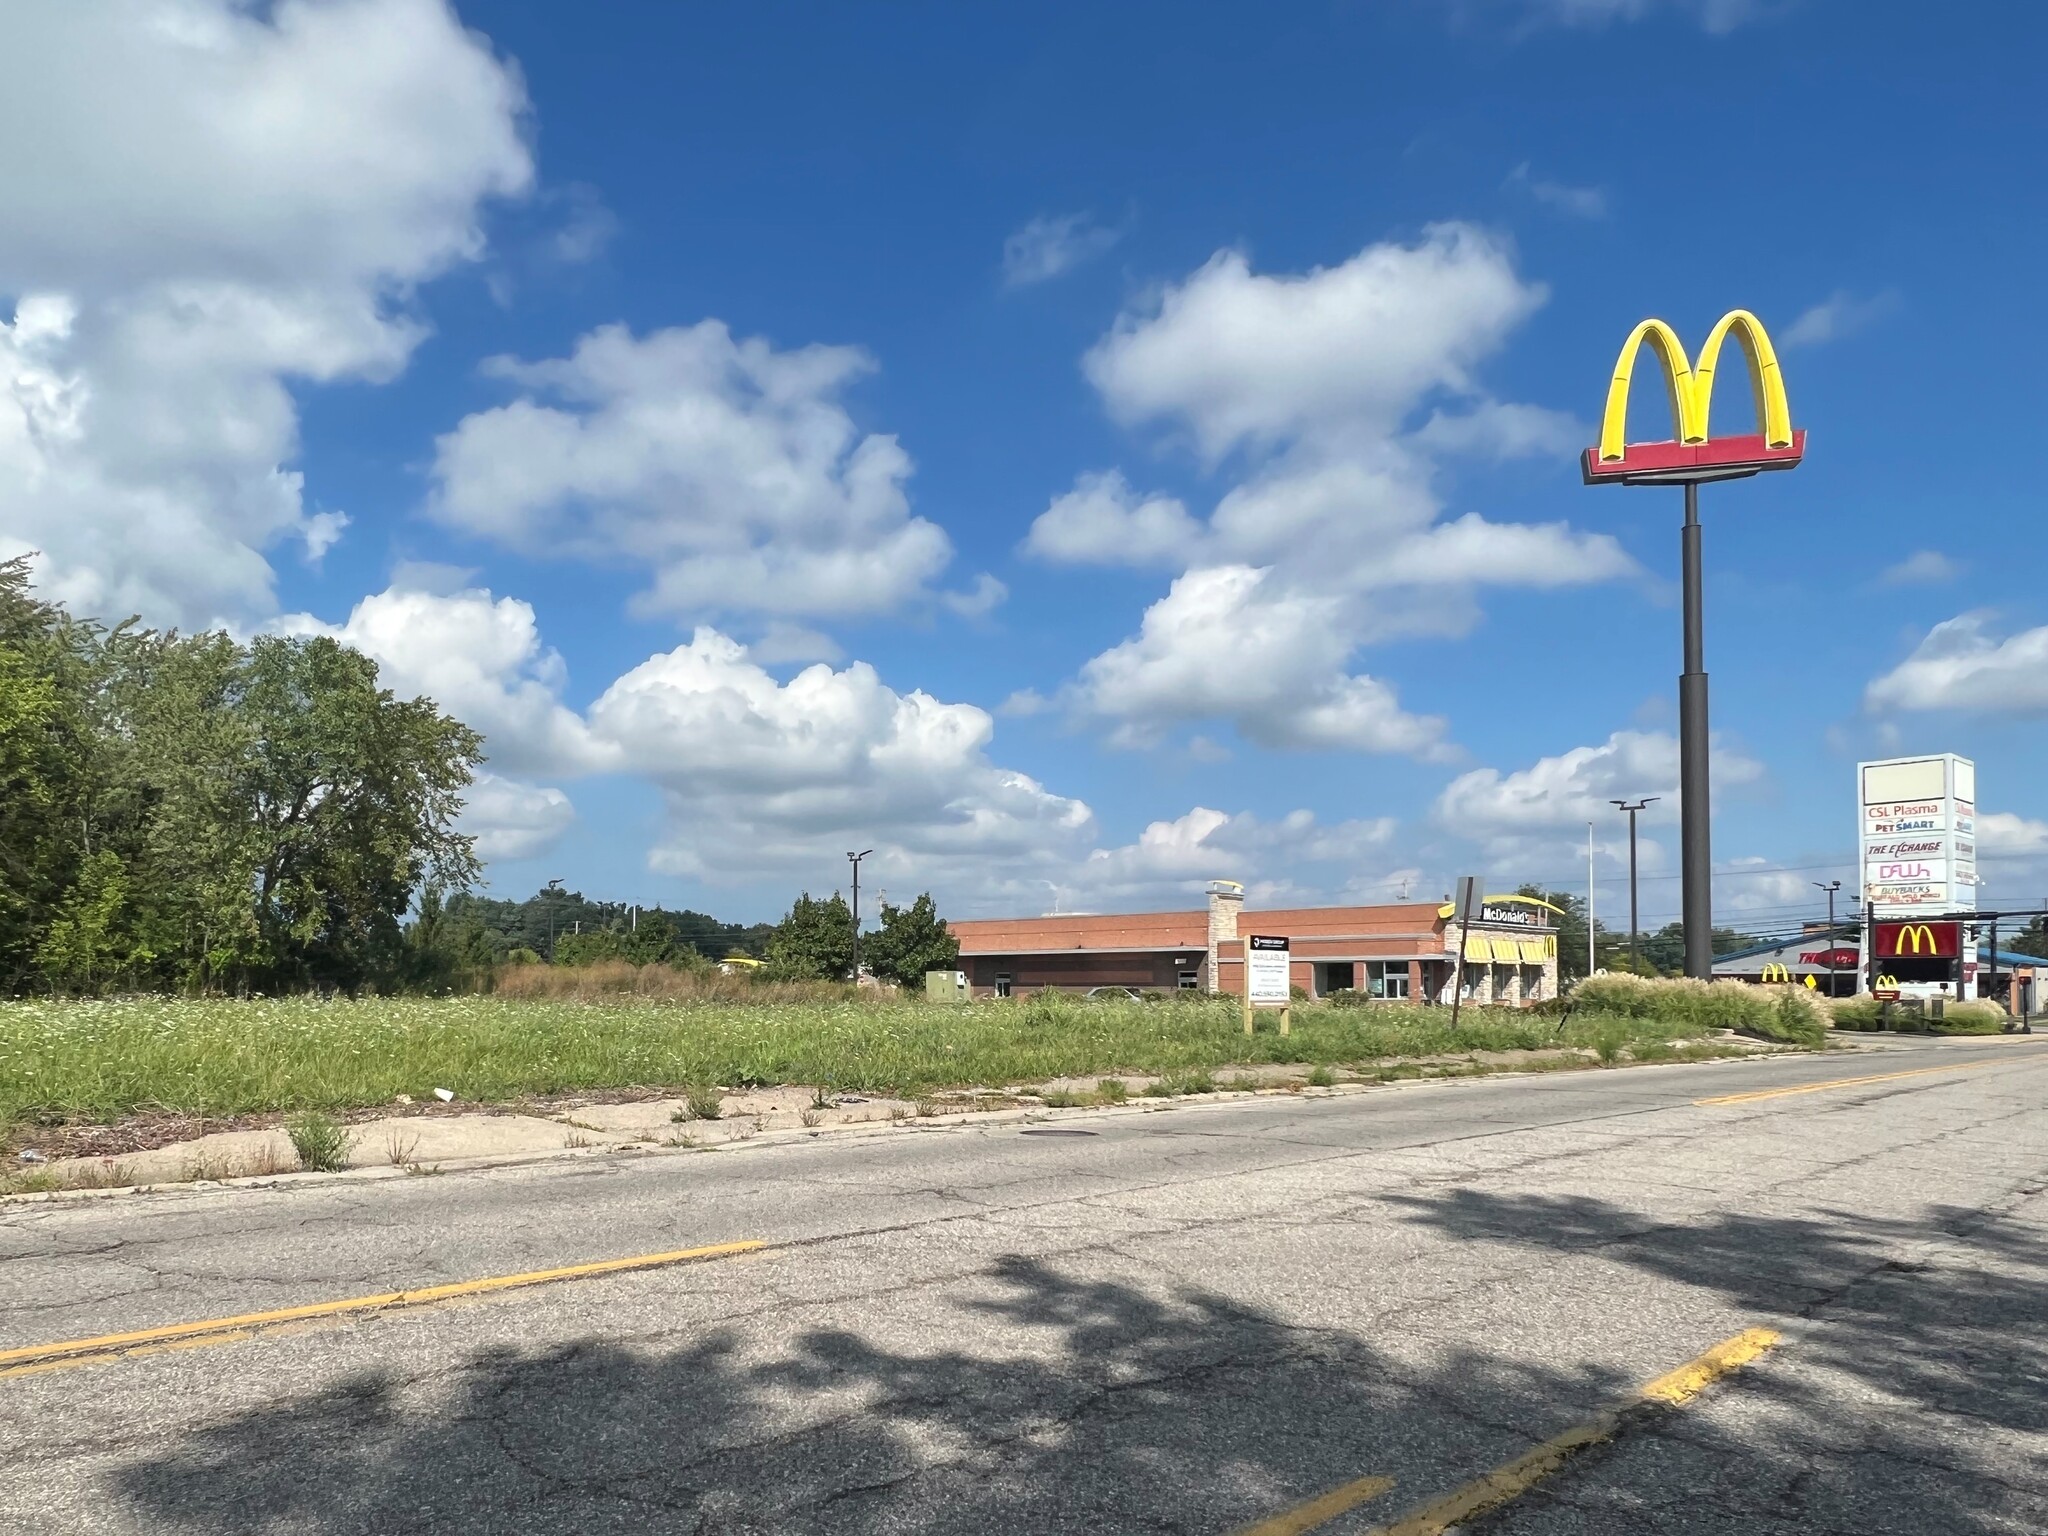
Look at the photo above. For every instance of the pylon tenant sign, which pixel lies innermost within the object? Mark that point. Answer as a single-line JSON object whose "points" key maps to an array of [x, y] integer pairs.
{"points": [[1694, 453]]}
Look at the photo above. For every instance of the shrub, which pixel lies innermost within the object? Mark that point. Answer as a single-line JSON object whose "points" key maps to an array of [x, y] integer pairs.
{"points": [[1787, 1014], [1111, 1090], [1971, 1018], [1321, 1077], [321, 1141]]}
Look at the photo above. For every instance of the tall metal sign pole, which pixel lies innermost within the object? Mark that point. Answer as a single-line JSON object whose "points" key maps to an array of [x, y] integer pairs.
{"points": [[1689, 459], [1695, 822]]}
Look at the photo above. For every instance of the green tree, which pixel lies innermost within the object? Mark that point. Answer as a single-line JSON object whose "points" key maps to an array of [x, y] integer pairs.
{"points": [[32, 785], [649, 940], [587, 947], [190, 811], [82, 948], [814, 942], [1664, 950], [911, 941], [2030, 940], [1570, 919]]}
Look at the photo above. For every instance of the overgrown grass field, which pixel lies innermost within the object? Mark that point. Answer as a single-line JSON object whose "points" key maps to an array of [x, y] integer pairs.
{"points": [[102, 1060]]}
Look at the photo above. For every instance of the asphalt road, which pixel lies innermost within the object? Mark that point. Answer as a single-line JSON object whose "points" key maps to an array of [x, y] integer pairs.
{"points": [[1153, 1319]]}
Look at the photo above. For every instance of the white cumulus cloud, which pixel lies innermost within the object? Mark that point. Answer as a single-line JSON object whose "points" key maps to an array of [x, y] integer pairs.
{"points": [[222, 201], [514, 820], [1102, 521], [1172, 861], [1228, 642], [728, 468], [1333, 535], [1564, 792], [1960, 665]]}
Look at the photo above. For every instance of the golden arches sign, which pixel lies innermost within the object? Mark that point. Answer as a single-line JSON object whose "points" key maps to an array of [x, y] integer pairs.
{"points": [[1691, 389], [1776, 972], [1694, 453]]}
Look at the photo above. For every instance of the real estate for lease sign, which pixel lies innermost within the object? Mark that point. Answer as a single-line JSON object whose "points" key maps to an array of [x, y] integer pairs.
{"points": [[1266, 964]]}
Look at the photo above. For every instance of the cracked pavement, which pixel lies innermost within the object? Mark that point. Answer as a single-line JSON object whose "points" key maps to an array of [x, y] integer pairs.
{"points": [[1184, 1320]]}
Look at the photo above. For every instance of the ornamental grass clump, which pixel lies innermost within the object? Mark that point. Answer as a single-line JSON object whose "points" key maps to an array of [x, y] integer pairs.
{"points": [[1789, 1015]]}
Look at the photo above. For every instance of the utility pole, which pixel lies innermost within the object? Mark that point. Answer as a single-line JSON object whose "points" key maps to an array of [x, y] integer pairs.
{"points": [[1831, 887], [554, 893], [1634, 923], [854, 859]]}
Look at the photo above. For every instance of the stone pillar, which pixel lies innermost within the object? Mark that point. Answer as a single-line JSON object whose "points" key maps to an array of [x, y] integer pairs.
{"points": [[1226, 900]]}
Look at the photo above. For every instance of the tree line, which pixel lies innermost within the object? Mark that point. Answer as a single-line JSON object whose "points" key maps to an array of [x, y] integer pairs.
{"points": [[198, 813], [463, 939]]}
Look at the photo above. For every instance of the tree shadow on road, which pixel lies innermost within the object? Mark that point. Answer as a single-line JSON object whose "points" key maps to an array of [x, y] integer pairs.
{"points": [[1913, 1390], [1029, 1399], [1126, 1411]]}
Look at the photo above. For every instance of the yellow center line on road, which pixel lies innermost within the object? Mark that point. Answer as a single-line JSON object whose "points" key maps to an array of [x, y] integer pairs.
{"points": [[1843, 1082], [1321, 1509], [38, 1357], [1510, 1481]]}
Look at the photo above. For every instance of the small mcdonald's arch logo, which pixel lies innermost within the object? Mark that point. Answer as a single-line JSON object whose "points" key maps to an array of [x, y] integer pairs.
{"points": [[1775, 972]]}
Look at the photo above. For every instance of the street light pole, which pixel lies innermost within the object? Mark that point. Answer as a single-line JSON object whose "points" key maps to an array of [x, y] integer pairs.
{"points": [[1634, 922], [554, 894], [854, 859], [1831, 887]]}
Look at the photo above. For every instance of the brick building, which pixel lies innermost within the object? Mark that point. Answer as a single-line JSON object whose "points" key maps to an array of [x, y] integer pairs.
{"points": [[1403, 951]]}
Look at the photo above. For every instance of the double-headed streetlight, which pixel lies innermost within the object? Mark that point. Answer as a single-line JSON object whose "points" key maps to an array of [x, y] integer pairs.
{"points": [[1632, 806], [854, 859]]}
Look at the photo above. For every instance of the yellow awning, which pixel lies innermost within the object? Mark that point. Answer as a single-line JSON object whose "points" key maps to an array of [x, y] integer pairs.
{"points": [[1505, 951], [1532, 951], [1476, 949]]}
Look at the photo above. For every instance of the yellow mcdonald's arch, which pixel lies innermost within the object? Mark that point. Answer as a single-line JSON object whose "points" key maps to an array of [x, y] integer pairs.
{"points": [[1776, 972], [1890, 982], [1691, 388], [1917, 934]]}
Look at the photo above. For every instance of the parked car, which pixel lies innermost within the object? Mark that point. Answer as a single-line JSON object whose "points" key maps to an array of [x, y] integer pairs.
{"points": [[1115, 994]]}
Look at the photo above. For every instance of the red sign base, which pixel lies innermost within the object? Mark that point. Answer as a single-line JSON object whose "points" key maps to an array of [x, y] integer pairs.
{"points": [[1719, 458]]}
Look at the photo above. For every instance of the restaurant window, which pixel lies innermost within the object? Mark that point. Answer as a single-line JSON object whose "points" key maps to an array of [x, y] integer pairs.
{"points": [[1387, 978], [1002, 983], [1190, 980]]}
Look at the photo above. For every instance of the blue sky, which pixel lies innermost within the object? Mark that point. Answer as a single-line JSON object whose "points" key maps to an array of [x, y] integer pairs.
{"points": [[1080, 452]]}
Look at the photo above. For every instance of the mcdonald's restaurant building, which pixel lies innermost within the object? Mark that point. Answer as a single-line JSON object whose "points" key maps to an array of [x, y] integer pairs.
{"points": [[1399, 952]]}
